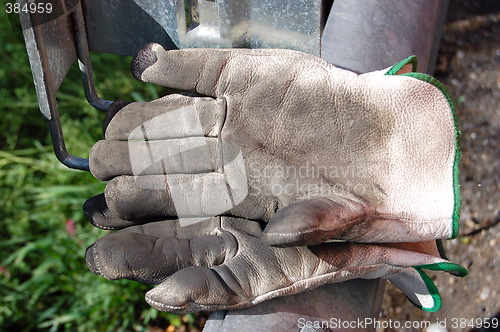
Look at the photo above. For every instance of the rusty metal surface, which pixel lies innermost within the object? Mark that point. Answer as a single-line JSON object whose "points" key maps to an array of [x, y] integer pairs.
{"points": [[51, 51], [57, 42], [84, 61]]}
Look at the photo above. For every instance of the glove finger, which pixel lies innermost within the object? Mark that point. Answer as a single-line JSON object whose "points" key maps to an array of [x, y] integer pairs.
{"points": [[348, 254], [195, 289], [252, 277], [398, 263], [253, 268], [401, 263], [212, 72], [156, 197], [115, 107], [314, 221], [174, 156], [98, 213], [180, 69], [152, 252], [172, 116], [259, 272]]}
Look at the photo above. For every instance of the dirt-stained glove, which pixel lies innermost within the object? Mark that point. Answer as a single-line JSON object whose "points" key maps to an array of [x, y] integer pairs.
{"points": [[221, 263], [364, 158]]}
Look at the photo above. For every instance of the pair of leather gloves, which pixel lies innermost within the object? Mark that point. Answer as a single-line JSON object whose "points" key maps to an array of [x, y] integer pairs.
{"points": [[274, 174]]}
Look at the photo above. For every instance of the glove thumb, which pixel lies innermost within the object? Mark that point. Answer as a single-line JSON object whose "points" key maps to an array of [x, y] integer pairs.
{"points": [[314, 221]]}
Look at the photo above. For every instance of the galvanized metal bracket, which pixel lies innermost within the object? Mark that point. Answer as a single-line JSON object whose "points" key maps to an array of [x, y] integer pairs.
{"points": [[122, 27]]}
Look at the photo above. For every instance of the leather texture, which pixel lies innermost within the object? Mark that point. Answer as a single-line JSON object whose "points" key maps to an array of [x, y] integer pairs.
{"points": [[221, 263], [217, 191], [370, 157]]}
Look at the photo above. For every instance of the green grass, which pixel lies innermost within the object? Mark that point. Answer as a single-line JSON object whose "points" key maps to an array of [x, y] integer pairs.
{"points": [[44, 281]]}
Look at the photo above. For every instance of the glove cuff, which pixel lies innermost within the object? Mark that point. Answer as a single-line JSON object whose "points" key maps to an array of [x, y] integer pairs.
{"points": [[419, 287]]}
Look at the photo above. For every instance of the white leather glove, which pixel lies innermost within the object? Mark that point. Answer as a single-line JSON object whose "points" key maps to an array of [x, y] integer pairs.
{"points": [[285, 137], [281, 137], [221, 264]]}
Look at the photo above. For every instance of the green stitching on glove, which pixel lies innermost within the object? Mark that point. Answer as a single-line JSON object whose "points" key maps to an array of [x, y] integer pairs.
{"points": [[433, 291], [440, 248], [453, 268], [398, 66]]}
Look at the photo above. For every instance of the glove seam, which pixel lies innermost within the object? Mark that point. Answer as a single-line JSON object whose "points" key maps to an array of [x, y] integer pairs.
{"points": [[103, 227], [96, 260], [242, 294], [222, 119], [324, 276], [219, 75]]}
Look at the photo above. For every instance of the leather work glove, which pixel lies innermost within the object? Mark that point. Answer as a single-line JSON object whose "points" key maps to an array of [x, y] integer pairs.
{"points": [[284, 137], [221, 264]]}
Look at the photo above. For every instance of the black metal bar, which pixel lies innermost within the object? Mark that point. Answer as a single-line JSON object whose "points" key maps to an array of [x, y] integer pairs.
{"points": [[60, 148], [53, 118], [84, 62]]}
